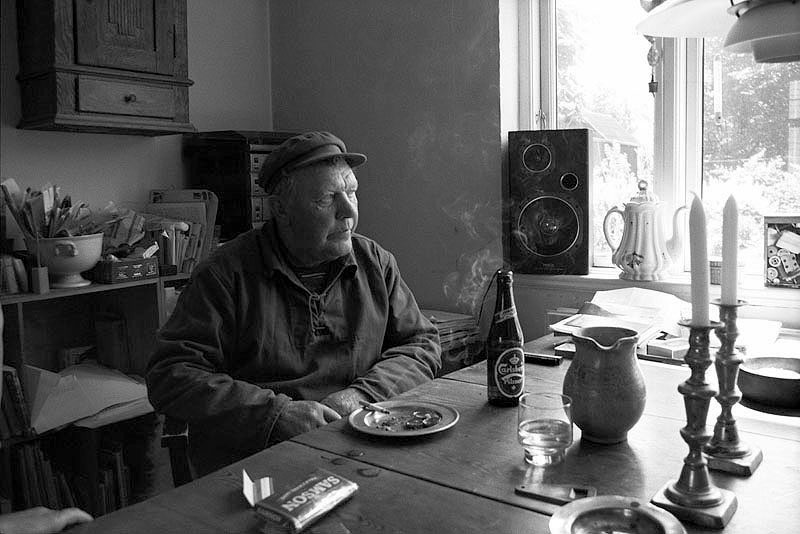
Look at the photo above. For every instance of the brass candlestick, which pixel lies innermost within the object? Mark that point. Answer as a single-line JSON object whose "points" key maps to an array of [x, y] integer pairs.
{"points": [[693, 497], [725, 451]]}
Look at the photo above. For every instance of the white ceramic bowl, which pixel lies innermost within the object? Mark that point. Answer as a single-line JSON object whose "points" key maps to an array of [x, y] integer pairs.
{"points": [[67, 257]]}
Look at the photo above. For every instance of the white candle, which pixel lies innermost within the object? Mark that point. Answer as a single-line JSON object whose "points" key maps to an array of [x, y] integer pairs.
{"points": [[699, 262], [730, 232]]}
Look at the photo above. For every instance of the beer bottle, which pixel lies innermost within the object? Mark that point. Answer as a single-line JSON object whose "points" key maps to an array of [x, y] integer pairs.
{"points": [[505, 361]]}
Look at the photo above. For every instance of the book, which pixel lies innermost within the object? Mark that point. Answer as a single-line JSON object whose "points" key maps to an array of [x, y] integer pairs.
{"points": [[101, 503], [65, 492], [24, 496], [109, 491], [5, 427], [21, 274], [675, 347], [175, 197], [14, 386], [7, 480], [80, 491], [32, 473], [111, 459], [10, 284], [50, 483], [193, 246]]}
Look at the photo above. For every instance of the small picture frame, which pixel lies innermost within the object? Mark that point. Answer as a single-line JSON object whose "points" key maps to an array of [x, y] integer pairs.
{"points": [[782, 251]]}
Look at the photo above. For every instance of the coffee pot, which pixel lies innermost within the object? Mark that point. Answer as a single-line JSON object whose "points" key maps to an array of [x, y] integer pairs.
{"points": [[643, 253]]}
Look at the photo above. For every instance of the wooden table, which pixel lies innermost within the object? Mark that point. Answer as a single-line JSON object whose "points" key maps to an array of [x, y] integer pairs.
{"points": [[463, 479]]}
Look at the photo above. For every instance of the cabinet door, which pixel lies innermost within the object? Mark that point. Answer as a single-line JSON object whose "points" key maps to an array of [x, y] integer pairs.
{"points": [[135, 35]]}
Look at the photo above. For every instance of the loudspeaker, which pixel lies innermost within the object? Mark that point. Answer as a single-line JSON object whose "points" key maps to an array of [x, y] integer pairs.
{"points": [[547, 217]]}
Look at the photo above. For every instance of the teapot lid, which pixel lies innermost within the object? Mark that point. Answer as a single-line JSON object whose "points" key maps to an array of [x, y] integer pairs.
{"points": [[643, 195]]}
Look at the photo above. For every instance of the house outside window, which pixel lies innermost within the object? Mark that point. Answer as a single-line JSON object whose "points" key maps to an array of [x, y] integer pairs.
{"points": [[713, 122]]}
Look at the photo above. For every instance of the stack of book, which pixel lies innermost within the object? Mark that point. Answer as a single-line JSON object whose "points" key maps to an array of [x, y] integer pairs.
{"points": [[14, 275], [460, 338], [182, 222], [36, 481], [39, 479]]}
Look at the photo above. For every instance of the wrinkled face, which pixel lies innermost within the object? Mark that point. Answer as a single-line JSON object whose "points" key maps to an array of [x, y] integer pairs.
{"points": [[318, 214]]}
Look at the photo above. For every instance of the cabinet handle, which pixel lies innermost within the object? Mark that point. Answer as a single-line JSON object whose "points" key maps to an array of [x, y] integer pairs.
{"points": [[130, 97]]}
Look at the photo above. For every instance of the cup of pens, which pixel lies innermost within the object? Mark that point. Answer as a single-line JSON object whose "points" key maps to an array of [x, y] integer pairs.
{"points": [[67, 257]]}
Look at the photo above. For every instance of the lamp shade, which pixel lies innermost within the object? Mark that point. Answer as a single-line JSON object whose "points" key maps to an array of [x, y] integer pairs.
{"points": [[688, 18], [770, 31]]}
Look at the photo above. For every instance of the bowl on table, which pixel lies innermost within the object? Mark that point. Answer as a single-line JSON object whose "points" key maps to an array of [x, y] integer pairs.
{"points": [[771, 381]]}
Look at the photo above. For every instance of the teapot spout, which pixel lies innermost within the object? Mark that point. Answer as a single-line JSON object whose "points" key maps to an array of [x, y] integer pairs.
{"points": [[675, 243]]}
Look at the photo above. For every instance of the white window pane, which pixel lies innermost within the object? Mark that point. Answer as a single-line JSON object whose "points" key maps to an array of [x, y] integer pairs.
{"points": [[602, 84], [751, 145]]}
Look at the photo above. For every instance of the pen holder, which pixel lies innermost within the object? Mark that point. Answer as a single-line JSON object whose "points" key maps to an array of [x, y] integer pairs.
{"points": [[726, 452], [693, 497]]}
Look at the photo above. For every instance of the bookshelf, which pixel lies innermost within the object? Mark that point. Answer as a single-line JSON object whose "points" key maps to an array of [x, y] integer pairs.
{"points": [[37, 329]]}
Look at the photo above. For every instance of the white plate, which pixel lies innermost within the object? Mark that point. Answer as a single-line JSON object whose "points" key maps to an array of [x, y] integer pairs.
{"points": [[368, 421]]}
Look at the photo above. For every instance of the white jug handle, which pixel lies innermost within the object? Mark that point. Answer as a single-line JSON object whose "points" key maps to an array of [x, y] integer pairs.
{"points": [[65, 248], [615, 209]]}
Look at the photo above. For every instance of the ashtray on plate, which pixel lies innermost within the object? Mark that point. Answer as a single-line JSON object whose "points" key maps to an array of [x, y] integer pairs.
{"points": [[613, 513], [771, 381]]}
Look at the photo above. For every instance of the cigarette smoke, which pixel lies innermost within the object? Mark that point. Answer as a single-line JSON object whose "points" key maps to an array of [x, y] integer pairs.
{"points": [[466, 285]]}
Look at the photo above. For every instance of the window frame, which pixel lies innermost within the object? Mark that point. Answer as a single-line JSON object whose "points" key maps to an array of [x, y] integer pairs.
{"points": [[677, 151], [678, 114]]}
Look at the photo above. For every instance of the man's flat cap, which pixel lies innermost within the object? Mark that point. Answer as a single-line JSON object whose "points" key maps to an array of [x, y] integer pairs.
{"points": [[302, 150]]}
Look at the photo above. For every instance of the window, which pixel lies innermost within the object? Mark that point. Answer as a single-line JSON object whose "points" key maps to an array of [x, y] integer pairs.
{"points": [[751, 145], [719, 123]]}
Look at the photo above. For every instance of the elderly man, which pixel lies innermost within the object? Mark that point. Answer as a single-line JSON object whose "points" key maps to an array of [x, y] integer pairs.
{"points": [[288, 327]]}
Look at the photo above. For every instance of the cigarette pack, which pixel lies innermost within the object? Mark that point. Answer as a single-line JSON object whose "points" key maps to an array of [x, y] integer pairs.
{"points": [[293, 510]]}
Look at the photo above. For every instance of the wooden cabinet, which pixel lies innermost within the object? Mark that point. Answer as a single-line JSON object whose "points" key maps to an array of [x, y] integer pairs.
{"points": [[104, 66]]}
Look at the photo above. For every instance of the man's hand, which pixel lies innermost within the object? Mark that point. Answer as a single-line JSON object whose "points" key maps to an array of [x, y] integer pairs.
{"points": [[299, 417], [41, 520], [345, 401]]}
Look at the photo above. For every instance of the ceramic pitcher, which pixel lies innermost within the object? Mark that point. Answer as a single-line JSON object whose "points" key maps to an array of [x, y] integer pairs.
{"points": [[605, 383]]}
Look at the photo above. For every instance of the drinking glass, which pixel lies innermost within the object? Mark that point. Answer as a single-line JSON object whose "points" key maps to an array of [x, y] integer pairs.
{"points": [[544, 427]]}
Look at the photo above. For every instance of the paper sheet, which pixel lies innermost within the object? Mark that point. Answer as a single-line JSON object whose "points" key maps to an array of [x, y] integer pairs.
{"points": [[79, 391], [646, 305]]}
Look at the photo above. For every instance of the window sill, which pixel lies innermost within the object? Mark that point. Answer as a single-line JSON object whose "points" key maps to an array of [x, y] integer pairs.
{"points": [[779, 303]]}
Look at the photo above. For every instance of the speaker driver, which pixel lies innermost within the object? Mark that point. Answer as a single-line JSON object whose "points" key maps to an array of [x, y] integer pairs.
{"points": [[569, 181], [547, 226], [537, 158]]}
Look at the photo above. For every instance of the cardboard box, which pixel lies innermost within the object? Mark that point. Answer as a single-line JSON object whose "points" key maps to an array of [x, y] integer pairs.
{"points": [[126, 270], [782, 251]]}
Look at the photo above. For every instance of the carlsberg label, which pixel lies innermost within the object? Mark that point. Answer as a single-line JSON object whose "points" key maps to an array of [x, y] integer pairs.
{"points": [[509, 372]]}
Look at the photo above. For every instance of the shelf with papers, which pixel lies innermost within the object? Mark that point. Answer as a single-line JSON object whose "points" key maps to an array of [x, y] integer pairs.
{"points": [[115, 325]]}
